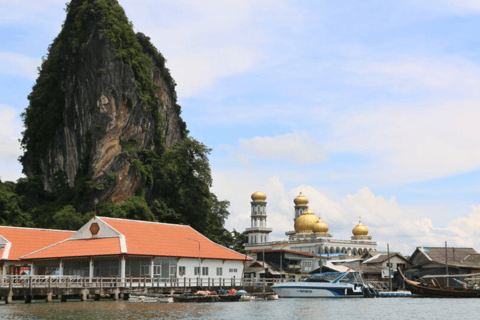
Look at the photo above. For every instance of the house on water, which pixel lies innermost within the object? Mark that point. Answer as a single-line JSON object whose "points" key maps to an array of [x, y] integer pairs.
{"points": [[111, 247]]}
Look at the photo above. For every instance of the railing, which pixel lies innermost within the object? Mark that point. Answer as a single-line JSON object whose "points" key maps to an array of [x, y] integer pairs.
{"points": [[26, 281]]}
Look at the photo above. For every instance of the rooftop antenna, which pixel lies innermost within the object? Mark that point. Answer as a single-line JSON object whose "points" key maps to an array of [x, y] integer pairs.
{"points": [[95, 215]]}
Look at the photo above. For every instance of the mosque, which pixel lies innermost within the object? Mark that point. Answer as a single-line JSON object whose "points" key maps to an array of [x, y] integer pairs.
{"points": [[310, 235]]}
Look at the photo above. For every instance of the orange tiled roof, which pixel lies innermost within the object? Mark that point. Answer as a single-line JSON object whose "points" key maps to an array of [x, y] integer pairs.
{"points": [[142, 238], [79, 248], [168, 240], [27, 240]]}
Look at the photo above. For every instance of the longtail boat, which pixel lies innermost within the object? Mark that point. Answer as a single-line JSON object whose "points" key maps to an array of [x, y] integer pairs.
{"points": [[434, 289]]}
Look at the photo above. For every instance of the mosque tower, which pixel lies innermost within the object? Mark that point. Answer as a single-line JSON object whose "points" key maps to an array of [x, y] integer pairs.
{"points": [[301, 205], [258, 231]]}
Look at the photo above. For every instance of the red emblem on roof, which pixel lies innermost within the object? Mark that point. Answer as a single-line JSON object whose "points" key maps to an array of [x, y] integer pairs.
{"points": [[94, 228]]}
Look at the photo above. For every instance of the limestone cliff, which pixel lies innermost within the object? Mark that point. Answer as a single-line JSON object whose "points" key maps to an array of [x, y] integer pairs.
{"points": [[102, 91]]}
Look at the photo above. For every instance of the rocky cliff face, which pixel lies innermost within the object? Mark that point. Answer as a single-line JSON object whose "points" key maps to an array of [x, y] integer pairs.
{"points": [[112, 95]]}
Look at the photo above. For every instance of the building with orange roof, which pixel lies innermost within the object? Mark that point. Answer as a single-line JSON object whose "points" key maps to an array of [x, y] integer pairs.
{"points": [[111, 247], [16, 242]]}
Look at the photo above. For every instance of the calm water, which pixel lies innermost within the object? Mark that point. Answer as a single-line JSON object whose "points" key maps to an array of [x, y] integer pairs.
{"points": [[386, 308]]}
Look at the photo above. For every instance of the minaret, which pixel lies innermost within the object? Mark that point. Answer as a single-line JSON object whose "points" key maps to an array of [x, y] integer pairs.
{"points": [[301, 205], [258, 231]]}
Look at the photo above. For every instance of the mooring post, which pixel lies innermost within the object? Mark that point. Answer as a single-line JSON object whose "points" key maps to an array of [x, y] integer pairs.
{"points": [[116, 294], [28, 297], [84, 296], [49, 296], [8, 298]]}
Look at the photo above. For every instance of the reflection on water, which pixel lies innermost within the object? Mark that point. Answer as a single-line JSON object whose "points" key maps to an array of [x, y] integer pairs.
{"points": [[386, 308]]}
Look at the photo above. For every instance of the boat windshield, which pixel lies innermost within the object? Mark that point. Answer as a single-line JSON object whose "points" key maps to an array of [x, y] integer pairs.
{"points": [[349, 278], [324, 277]]}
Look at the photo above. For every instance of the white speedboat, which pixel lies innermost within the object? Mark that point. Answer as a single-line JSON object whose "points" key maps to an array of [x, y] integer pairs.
{"points": [[323, 285]]}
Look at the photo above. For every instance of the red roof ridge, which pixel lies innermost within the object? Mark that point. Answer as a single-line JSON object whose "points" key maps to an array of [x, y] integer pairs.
{"points": [[52, 245], [39, 229], [121, 237], [152, 222]]}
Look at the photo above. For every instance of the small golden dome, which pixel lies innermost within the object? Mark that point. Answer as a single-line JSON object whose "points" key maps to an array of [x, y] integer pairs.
{"points": [[320, 227], [300, 200], [259, 196], [306, 222], [360, 230]]}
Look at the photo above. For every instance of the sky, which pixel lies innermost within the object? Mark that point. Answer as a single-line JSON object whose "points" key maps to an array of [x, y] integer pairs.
{"points": [[369, 108]]}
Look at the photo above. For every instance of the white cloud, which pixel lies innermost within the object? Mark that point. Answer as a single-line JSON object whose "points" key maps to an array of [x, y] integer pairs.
{"points": [[18, 64], [297, 147], [205, 41], [466, 4], [235, 156], [10, 129], [412, 143], [403, 228], [457, 7], [448, 75]]}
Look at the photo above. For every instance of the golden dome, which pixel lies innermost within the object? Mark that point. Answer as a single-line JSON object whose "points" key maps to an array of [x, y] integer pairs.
{"points": [[320, 227], [259, 196], [306, 222], [300, 200], [360, 230]]}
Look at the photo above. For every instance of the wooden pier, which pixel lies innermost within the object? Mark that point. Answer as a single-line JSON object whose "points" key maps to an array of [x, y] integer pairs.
{"points": [[72, 287]]}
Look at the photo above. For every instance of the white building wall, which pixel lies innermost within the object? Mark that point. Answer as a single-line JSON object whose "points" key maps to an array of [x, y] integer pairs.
{"points": [[230, 268]]}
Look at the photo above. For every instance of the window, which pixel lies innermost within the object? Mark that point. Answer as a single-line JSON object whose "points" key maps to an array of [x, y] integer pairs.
{"points": [[232, 270], [157, 270], [219, 271], [106, 268], [181, 271], [196, 271], [173, 271], [204, 271], [114, 271], [307, 264], [145, 268]]}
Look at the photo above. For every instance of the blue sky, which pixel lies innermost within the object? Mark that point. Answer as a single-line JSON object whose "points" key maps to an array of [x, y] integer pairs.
{"points": [[370, 108]]}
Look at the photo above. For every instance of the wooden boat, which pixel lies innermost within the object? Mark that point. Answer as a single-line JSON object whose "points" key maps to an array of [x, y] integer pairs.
{"points": [[435, 290], [229, 297], [196, 298]]}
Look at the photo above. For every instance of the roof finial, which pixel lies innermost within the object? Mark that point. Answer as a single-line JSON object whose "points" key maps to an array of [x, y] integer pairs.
{"points": [[95, 214]]}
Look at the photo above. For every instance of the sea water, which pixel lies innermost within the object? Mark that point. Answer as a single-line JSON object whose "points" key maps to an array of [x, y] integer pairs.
{"points": [[355, 308]]}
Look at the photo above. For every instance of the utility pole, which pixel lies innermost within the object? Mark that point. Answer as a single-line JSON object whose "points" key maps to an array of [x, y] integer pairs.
{"points": [[199, 256], [446, 262], [389, 269]]}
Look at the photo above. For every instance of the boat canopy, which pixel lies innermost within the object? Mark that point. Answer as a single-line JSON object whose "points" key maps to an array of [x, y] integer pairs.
{"points": [[332, 277]]}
